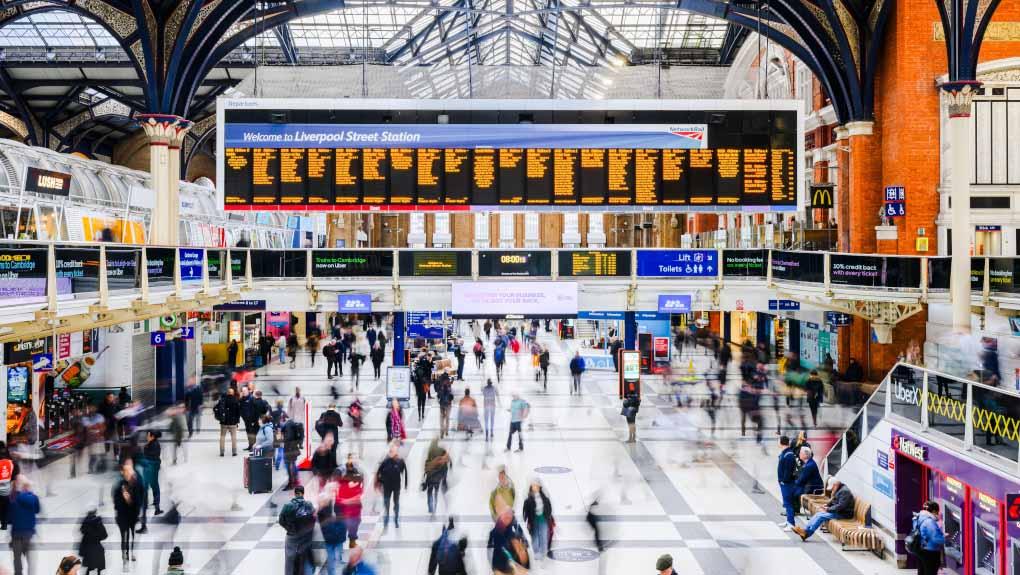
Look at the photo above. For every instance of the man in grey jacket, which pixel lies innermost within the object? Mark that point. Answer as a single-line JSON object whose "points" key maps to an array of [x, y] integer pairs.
{"points": [[841, 506]]}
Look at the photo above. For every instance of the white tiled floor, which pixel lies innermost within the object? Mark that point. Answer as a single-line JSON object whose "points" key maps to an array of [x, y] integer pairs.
{"points": [[667, 494]]}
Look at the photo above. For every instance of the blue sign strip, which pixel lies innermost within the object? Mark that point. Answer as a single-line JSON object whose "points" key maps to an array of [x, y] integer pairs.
{"points": [[674, 303], [612, 315], [677, 263], [662, 136], [783, 305], [191, 264]]}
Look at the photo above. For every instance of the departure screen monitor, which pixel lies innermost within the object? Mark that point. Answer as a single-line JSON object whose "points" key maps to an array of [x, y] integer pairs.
{"points": [[429, 155]]}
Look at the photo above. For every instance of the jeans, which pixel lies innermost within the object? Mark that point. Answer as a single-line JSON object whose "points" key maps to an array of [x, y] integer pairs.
{"points": [[292, 475], [515, 426], [444, 420], [789, 491], [390, 493], [817, 521], [352, 527], [490, 421], [577, 382], [278, 458], [153, 483], [540, 539], [432, 495], [21, 545], [232, 430], [334, 556], [194, 421], [297, 560]]}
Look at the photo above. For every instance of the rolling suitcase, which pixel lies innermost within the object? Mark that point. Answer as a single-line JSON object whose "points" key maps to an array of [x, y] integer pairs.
{"points": [[258, 474]]}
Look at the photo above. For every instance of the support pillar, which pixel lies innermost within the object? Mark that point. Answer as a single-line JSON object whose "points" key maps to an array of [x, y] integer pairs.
{"points": [[166, 135], [957, 97], [859, 193]]}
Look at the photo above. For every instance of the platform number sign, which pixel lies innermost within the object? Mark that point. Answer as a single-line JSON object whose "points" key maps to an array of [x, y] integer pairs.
{"points": [[1013, 506], [187, 332], [895, 202], [157, 338]]}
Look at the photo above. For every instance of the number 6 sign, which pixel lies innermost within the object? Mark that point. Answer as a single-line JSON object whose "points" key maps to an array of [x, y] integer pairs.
{"points": [[157, 338]]}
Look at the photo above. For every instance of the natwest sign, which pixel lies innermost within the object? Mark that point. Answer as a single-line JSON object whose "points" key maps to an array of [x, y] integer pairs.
{"points": [[910, 447]]}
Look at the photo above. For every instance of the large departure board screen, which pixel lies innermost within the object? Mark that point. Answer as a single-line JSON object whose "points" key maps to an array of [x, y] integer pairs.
{"points": [[430, 263], [613, 155], [515, 263], [596, 263]]}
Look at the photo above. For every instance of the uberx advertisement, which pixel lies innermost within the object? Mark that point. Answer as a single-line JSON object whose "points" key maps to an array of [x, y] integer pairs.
{"points": [[518, 299]]}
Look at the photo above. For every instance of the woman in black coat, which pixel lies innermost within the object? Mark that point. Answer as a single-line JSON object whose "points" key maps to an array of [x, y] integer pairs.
{"points": [[93, 533], [128, 497]]}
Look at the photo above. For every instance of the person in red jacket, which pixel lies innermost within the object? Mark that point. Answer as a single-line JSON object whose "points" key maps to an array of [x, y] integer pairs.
{"points": [[348, 498]]}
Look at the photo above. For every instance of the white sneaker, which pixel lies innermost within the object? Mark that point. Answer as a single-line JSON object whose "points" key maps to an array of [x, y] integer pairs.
{"points": [[786, 526]]}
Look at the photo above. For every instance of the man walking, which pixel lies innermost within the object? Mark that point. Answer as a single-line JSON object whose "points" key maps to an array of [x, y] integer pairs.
{"points": [[193, 399], [298, 519], [228, 413], [576, 369], [444, 393], [519, 410], [23, 510], [489, 401], [387, 478], [330, 352]]}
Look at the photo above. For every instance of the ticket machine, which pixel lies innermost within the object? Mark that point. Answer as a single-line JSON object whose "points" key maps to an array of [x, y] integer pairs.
{"points": [[987, 533]]}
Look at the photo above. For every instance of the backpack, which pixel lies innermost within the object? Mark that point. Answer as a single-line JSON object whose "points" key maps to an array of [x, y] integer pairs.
{"points": [[447, 554], [294, 433], [219, 411], [304, 516], [6, 470], [913, 541]]}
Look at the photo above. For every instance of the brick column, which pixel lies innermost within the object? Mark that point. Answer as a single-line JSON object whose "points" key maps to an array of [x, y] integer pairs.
{"points": [[860, 170], [166, 135]]}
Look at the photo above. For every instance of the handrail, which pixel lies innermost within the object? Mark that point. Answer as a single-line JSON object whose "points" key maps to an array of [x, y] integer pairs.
{"points": [[856, 271], [993, 418]]}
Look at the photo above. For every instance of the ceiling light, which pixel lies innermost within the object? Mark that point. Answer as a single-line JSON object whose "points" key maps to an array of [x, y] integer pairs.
{"points": [[51, 55]]}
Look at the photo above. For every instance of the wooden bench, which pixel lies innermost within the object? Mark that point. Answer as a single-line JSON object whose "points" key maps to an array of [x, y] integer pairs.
{"points": [[854, 533]]}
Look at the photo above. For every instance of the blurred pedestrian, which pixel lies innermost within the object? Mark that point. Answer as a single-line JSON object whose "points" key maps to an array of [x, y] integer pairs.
{"points": [[127, 505], [577, 368], [228, 413], [298, 520], [503, 495], [93, 533], [631, 405], [22, 513], [378, 355], [489, 397], [447, 555], [395, 430], [387, 480], [508, 549], [350, 490], [69, 565], [538, 515], [437, 465]]}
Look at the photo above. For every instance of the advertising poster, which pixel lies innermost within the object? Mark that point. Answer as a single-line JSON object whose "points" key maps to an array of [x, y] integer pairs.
{"points": [[524, 299], [23, 275], [398, 383]]}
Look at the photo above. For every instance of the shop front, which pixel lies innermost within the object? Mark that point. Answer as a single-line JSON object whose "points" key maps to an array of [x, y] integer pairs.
{"points": [[742, 327], [982, 528], [604, 326]]}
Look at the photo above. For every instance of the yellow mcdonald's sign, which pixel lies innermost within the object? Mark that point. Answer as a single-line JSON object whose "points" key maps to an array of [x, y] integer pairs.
{"points": [[821, 195]]}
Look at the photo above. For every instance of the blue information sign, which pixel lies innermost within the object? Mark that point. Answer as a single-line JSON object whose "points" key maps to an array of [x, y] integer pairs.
{"points": [[355, 303], [895, 209], [191, 264], [426, 324], [157, 338], [677, 263], [838, 319], [613, 315], [187, 332], [674, 303], [895, 194], [783, 305]]}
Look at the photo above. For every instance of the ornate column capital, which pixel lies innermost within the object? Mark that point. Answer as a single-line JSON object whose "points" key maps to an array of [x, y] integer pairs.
{"points": [[958, 97], [164, 130]]}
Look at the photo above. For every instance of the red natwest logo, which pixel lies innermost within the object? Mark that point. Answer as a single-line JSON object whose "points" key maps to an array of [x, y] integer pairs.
{"points": [[699, 135]]}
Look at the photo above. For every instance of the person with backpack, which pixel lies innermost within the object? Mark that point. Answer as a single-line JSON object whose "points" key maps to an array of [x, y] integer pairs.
{"points": [[519, 410], [329, 423], [577, 367], [508, 548], [447, 556], [841, 506], [444, 392], [437, 464], [927, 539], [228, 413], [387, 480], [479, 351], [298, 519], [293, 437], [93, 533], [256, 408], [786, 474]]}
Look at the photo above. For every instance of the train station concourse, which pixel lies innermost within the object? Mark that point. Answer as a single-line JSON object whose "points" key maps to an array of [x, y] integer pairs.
{"points": [[507, 286]]}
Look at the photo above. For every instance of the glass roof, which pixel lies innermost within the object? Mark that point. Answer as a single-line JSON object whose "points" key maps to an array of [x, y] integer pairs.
{"points": [[508, 32], [56, 29]]}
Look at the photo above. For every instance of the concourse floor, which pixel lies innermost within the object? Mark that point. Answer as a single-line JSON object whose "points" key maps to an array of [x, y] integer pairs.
{"points": [[708, 500]]}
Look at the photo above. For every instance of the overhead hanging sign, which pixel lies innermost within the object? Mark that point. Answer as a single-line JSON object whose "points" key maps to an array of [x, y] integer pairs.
{"points": [[191, 264], [677, 263], [354, 303], [43, 181], [675, 303]]}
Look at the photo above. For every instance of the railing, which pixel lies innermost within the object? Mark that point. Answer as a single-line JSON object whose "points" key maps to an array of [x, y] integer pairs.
{"points": [[971, 415], [34, 268]]}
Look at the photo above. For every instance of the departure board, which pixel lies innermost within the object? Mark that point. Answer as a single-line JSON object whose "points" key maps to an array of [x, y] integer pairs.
{"points": [[729, 176], [320, 177], [483, 182], [374, 171], [674, 177], [237, 173], [593, 177], [430, 173], [348, 184], [402, 176], [456, 176], [265, 176], [594, 263], [540, 176], [620, 171], [511, 176], [293, 165], [701, 177], [339, 159]]}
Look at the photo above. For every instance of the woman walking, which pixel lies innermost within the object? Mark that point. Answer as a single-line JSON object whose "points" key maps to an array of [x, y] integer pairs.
{"points": [[539, 517], [437, 463], [127, 505], [93, 533]]}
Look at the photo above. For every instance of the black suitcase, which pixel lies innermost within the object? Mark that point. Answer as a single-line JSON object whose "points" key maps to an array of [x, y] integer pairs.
{"points": [[258, 474]]}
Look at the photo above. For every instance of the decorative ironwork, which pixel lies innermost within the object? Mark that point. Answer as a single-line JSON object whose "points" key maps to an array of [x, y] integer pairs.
{"points": [[122, 23]]}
